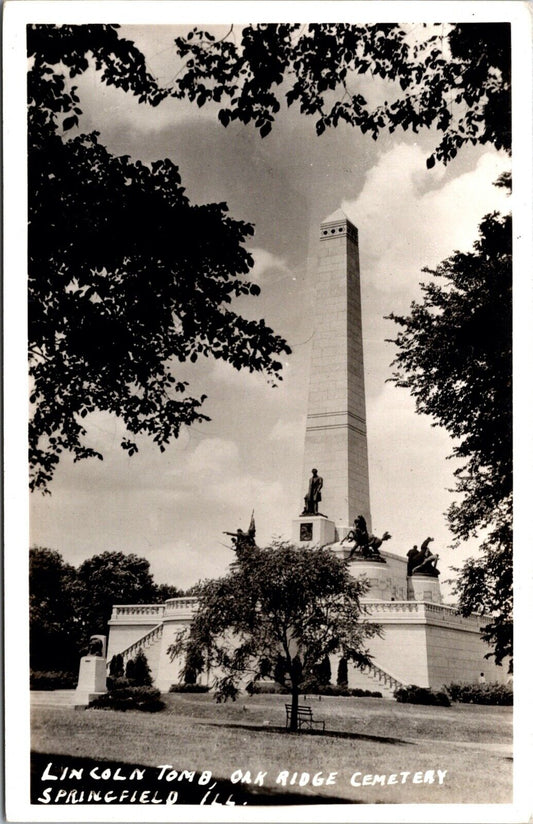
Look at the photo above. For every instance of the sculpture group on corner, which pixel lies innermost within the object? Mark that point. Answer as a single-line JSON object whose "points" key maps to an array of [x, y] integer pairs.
{"points": [[242, 540], [365, 545]]}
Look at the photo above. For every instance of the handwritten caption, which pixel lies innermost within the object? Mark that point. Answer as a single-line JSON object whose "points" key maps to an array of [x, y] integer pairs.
{"points": [[120, 785]]}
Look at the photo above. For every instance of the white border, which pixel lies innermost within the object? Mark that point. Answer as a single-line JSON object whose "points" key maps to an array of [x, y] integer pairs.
{"points": [[16, 14]]}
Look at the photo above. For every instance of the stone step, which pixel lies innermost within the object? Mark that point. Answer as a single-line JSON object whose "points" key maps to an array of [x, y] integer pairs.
{"points": [[366, 680]]}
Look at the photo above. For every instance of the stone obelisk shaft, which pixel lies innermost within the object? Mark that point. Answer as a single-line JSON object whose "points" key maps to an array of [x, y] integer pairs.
{"points": [[335, 439]]}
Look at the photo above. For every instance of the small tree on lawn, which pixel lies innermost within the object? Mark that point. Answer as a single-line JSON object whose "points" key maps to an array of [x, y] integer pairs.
{"points": [[285, 605]]}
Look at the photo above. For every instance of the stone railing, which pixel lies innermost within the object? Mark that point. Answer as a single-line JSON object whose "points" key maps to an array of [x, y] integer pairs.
{"points": [[383, 677], [141, 643], [424, 609], [184, 607], [138, 611]]}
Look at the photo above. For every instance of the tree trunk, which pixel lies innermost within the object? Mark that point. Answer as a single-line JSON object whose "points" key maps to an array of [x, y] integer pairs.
{"points": [[294, 710]]}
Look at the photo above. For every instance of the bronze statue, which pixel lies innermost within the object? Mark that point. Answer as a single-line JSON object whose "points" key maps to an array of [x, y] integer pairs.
{"points": [[95, 646], [243, 540], [314, 494], [422, 560], [364, 544]]}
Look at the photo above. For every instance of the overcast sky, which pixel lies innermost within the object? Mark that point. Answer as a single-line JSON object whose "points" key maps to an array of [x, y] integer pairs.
{"points": [[172, 508]]}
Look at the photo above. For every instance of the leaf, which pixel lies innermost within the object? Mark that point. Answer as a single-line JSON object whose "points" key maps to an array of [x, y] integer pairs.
{"points": [[69, 122]]}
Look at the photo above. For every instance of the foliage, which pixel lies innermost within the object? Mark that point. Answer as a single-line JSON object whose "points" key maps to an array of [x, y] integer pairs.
{"points": [[116, 666], [189, 688], [454, 356], [322, 671], [138, 671], [111, 578], [162, 592], [282, 610], [456, 78], [342, 672], [52, 680], [68, 605], [500, 694], [145, 699], [421, 695], [127, 279], [55, 635], [117, 682]]}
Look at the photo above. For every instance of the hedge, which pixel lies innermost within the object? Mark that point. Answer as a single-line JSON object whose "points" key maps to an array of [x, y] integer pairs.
{"points": [[501, 694], [189, 688], [53, 680], [146, 699], [421, 695]]}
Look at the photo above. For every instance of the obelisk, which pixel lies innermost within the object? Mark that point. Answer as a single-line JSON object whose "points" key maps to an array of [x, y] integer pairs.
{"points": [[335, 437]]}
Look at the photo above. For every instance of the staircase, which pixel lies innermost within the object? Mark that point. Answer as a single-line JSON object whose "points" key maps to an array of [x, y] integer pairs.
{"points": [[145, 644], [374, 678]]}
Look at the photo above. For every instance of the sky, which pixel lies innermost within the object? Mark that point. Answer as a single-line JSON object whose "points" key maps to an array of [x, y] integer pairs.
{"points": [[173, 508]]}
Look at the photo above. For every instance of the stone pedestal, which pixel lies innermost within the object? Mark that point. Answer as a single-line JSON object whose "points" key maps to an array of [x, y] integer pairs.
{"points": [[313, 530], [91, 680], [423, 587]]}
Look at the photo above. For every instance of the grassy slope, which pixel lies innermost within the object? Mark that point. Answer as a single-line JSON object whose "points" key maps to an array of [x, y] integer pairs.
{"points": [[371, 736]]}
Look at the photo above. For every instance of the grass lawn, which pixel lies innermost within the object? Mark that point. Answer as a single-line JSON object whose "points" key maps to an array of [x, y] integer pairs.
{"points": [[364, 737]]}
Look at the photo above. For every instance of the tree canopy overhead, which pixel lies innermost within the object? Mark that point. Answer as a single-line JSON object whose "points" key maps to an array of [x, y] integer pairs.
{"points": [[456, 78], [127, 279], [278, 613]]}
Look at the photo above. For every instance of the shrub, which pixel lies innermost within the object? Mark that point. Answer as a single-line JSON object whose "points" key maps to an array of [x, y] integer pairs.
{"points": [[116, 666], [138, 672], [333, 689], [500, 694], [421, 695], [357, 692], [118, 683], [146, 699], [52, 680], [342, 672], [189, 688]]}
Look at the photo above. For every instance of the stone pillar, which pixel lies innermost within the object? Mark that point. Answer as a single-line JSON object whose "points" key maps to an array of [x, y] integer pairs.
{"points": [[91, 680], [335, 439]]}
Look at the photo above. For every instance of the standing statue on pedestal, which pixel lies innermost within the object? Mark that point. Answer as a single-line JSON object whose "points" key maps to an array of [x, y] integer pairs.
{"points": [[314, 494], [365, 544], [422, 560]]}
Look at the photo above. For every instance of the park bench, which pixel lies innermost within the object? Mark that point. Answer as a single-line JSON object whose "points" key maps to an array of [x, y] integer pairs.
{"points": [[304, 717]]}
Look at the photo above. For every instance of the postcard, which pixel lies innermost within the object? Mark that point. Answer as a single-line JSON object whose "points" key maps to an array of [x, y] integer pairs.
{"points": [[271, 316]]}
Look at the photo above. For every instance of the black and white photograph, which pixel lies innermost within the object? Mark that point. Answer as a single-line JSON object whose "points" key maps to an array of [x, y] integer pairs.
{"points": [[267, 323]]}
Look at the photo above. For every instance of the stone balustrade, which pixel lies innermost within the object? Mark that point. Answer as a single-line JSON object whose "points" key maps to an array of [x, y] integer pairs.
{"points": [[137, 611], [423, 611]]}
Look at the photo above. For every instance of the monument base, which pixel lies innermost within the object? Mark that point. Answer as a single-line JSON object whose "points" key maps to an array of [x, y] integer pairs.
{"points": [[91, 680], [313, 530], [423, 587]]}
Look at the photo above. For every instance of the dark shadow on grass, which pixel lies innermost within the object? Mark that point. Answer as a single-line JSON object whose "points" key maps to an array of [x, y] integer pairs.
{"points": [[351, 736], [215, 792]]}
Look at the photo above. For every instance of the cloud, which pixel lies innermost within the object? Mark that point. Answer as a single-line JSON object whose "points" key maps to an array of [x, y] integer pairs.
{"points": [[265, 262], [404, 225], [288, 430]]}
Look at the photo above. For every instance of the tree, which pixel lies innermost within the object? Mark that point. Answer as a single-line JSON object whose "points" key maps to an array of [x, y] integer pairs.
{"points": [[116, 300], [454, 356], [127, 279], [456, 78], [280, 610], [107, 579], [55, 633]]}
